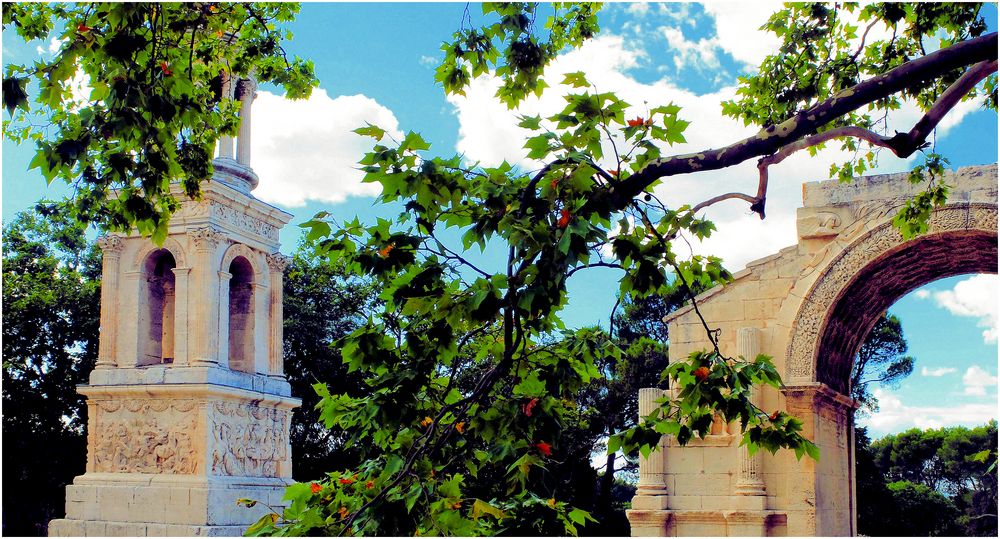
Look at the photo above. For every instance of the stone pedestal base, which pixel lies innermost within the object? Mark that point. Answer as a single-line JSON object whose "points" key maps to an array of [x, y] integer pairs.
{"points": [[671, 523], [146, 504], [106, 528]]}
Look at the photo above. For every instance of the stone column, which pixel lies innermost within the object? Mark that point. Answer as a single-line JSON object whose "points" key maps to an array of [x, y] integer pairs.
{"points": [[226, 142], [246, 91], [261, 329], [223, 318], [652, 470], [112, 248], [277, 264], [132, 293], [181, 288], [750, 481], [203, 309]]}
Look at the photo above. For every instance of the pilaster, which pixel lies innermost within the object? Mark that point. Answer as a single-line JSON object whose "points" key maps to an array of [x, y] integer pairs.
{"points": [[750, 484], [112, 247], [277, 263], [651, 492]]}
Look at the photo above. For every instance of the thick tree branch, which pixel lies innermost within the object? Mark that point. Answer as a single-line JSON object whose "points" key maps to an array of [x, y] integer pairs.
{"points": [[902, 144], [807, 122], [914, 139]]}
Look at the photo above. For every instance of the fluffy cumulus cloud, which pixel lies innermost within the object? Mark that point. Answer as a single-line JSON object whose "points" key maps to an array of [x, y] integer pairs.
{"points": [[975, 297], [976, 380], [700, 54], [305, 150], [895, 416], [737, 27], [938, 372]]}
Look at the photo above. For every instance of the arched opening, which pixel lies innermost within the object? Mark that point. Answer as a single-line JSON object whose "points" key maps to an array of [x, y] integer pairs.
{"points": [[916, 436], [156, 311], [241, 315], [866, 291], [885, 280]]}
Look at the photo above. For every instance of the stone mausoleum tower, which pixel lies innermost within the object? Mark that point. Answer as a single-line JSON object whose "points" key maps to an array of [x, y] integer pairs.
{"points": [[188, 407]]}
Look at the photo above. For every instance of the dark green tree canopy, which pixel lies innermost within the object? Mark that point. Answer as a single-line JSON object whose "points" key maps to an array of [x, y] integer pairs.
{"points": [[51, 315], [880, 361]]}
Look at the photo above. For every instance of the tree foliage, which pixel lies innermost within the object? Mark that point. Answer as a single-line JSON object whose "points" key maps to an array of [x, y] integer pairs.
{"points": [[321, 305], [153, 107], [953, 463], [51, 314], [880, 360]]}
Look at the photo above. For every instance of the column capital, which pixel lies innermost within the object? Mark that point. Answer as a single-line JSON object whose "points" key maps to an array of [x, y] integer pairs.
{"points": [[206, 238], [246, 88], [111, 244], [278, 262]]}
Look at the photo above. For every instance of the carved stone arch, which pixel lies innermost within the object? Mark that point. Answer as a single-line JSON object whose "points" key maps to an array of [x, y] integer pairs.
{"points": [[157, 301], [870, 274], [244, 315], [170, 244], [260, 270]]}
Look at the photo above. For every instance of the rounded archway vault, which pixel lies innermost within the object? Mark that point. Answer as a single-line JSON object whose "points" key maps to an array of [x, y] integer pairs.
{"points": [[871, 274], [808, 307]]}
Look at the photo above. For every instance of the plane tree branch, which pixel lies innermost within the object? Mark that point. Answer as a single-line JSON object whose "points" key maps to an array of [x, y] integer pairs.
{"points": [[980, 52]]}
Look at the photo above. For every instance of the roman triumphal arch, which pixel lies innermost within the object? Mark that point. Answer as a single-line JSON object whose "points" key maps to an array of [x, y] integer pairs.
{"points": [[808, 306]]}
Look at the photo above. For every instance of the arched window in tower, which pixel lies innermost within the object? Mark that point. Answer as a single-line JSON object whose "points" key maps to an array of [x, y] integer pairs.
{"points": [[156, 311], [241, 316]]}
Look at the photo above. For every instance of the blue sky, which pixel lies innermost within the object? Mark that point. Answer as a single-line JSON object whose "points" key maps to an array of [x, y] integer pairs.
{"points": [[376, 63]]}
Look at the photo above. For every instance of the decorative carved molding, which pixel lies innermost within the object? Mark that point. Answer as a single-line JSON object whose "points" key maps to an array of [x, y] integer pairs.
{"points": [[243, 221], [111, 245], [206, 238], [248, 440], [842, 270], [145, 436], [820, 224], [277, 262]]}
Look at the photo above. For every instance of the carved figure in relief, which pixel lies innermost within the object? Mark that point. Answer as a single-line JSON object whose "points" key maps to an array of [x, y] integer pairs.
{"points": [[819, 225], [248, 441], [145, 438]]}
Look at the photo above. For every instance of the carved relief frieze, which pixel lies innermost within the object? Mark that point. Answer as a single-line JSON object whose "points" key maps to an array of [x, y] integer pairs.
{"points": [[820, 224], [248, 440], [242, 221], [145, 436], [222, 211]]}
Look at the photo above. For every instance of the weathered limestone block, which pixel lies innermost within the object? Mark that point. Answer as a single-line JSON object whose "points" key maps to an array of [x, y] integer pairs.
{"points": [[810, 306], [188, 408]]}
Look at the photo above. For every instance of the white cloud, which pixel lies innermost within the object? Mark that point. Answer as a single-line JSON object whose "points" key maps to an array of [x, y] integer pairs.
{"points": [[638, 8], [488, 133], [922, 294], [938, 372], [894, 416], [54, 45], [976, 381], [974, 297], [428, 61], [698, 54], [737, 26], [305, 150]]}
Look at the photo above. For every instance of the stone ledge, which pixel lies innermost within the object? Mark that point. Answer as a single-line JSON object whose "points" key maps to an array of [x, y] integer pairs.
{"points": [[109, 528], [881, 186], [162, 375]]}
